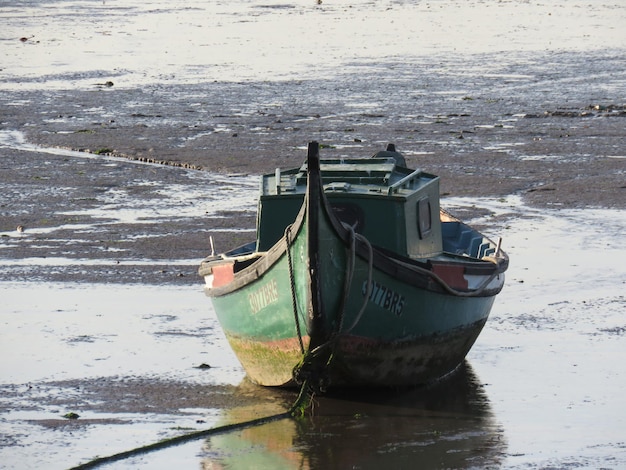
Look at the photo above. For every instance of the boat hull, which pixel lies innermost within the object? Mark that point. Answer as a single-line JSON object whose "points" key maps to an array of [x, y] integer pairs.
{"points": [[324, 305], [426, 339], [393, 334]]}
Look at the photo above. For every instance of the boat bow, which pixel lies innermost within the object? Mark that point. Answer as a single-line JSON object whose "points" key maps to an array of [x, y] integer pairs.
{"points": [[356, 278]]}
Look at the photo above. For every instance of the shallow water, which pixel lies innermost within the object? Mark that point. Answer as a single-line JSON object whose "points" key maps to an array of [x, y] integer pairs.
{"points": [[140, 42], [66, 331], [102, 313], [540, 389]]}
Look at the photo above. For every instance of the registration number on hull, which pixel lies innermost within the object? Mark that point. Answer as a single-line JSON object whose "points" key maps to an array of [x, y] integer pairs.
{"points": [[385, 297], [264, 296]]}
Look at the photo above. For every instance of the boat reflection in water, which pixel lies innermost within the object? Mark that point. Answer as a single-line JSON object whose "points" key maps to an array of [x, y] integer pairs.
{"points": [[446, 425]]}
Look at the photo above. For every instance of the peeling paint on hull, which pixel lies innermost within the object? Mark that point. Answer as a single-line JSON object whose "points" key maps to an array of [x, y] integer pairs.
{"points": [[361, 361]]}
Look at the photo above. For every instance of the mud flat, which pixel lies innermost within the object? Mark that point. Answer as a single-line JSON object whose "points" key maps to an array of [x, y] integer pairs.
{"points": [[118, 162], [534, 105], [564, 152], [104, 317]]}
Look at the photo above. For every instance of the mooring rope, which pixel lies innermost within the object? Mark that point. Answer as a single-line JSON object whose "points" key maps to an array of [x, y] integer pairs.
{"points": [[307, 372], [178, 440], [297, 410], [349, 274], [350, 268], [370, 273], [312, 371], [292, 281]]}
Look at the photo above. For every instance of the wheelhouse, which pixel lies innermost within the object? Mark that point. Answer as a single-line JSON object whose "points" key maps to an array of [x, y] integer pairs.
{"points": [[395, 208]]}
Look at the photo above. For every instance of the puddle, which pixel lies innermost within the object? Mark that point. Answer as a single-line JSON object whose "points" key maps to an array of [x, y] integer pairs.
{"points": [[540, 388]]}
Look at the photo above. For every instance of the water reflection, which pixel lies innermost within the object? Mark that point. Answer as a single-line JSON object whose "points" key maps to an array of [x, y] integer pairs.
{"points": [[448, 425]]}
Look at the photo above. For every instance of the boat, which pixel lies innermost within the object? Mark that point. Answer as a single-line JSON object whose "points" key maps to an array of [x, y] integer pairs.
{"points": [[356, 278]]}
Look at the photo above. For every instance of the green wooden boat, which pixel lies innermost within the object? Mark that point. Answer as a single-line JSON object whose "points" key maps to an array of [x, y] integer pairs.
{"points": [[356, 278]]}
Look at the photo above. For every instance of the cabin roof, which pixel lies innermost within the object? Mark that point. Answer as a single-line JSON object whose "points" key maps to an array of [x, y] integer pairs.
{"points": [[364, 176]]}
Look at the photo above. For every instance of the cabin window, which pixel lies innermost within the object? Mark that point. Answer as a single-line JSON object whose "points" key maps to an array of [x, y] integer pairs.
{"points": [[424, 217]]}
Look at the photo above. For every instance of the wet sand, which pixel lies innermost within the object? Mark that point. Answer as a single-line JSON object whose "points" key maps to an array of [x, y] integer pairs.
{"points": [[563, 150], [118, 186], [127, 353]]}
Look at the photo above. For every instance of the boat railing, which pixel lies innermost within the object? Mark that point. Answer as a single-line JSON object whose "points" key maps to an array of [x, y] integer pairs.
{"points": [[461, 239], [404, 182], [351, 178]]}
